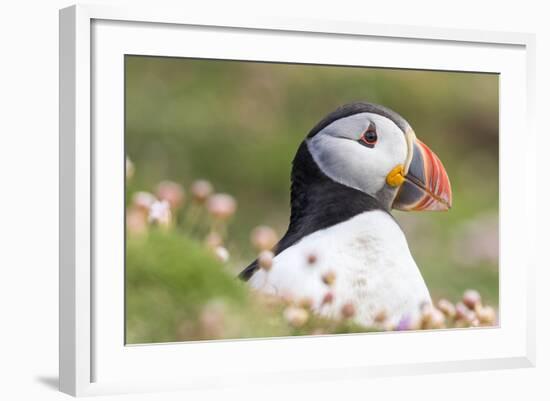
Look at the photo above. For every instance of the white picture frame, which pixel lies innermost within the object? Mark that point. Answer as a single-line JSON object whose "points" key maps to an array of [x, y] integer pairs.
{"points": [[93, 356]]}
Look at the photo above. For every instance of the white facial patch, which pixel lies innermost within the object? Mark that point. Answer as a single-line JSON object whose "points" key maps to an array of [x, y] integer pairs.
{"points": [[341, 157]]}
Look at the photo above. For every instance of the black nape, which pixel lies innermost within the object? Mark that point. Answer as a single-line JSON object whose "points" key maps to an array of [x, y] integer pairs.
{"points": [[316, 202]]}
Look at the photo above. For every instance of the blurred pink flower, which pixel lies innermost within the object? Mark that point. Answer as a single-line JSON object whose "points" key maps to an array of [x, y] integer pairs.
{"points": [[447, 307], [201, 190], [159, 213], [221, 206], [171, 192], [348, 310], [213, 240], [265, 260], [129, 168], [472, 299], [405, 323], [432, 318], [263, 238], [295, 316], [212, 320], [221, 253], [143, 201], [328, 277], [136, 221], [328, 298]]}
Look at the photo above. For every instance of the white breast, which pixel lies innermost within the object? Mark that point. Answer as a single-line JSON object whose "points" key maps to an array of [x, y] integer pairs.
{"points": [[372, 262]]}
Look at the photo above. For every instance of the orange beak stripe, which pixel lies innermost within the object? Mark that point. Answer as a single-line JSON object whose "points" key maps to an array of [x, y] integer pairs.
{"points": [[436, 186], [427, 185]]}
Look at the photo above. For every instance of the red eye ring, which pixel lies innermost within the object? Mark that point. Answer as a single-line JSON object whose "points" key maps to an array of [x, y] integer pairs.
{"points": [[369, 137]]}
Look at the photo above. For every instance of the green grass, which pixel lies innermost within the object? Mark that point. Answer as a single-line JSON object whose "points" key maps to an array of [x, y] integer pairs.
{"points": [[173, 282]]}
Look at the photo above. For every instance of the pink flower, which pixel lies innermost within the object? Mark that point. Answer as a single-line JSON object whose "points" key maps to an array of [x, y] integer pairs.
{"points": [[129, 168], [171, 192], [143, 200], [201, 190], [221, 206], [471, 299], [136, 221], [159, 213], [263, 238], [265, 260]]}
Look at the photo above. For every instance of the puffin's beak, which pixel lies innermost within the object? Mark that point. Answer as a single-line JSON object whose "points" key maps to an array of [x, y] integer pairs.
{"points": [[426, 185]]}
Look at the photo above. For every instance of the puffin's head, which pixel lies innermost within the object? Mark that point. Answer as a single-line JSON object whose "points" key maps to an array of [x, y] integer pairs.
{"points": [[374, 150]]}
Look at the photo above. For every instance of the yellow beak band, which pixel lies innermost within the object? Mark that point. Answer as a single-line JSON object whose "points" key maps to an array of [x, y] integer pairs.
{"points": [[396, 177]]}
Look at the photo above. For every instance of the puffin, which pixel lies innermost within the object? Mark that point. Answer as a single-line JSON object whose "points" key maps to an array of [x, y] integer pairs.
{"points": [[343, 246]]}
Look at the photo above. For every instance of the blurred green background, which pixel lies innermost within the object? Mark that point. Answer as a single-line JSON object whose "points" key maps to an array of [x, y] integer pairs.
{"points": [[239, 124]]}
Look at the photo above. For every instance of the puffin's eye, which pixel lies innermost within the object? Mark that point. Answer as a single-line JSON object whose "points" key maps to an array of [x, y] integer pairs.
{"points": [[369, 138]]}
